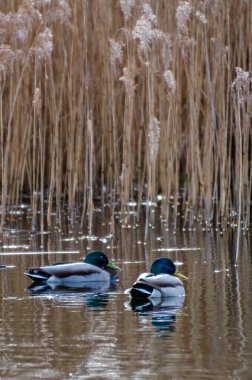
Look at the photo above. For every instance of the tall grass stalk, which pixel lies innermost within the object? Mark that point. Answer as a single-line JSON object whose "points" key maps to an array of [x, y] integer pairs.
{"points": [[135, 99], [241, 89]]}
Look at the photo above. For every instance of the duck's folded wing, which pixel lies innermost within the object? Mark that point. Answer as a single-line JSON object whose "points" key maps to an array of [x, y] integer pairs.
{"points": [[142, 276], [66, 270], [162, 280]]}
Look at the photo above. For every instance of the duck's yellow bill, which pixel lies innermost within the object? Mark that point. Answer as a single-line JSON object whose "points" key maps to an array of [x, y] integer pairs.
{"points": [[113, 266], [180, 276]]}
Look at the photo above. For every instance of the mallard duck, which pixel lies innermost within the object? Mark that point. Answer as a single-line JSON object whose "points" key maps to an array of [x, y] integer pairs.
{"points": [[95, 268], [163, 281]]}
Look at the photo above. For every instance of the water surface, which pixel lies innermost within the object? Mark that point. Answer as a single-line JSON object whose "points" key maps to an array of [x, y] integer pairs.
{"points": [[98, 333]]}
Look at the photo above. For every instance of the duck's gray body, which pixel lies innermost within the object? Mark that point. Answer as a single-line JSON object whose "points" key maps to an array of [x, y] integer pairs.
{"points": [[95, 268], [162, 285], [68, 273]]}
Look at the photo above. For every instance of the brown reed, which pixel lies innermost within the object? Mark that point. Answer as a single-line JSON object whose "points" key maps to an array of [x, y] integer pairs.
{"points": [[127, 99]]}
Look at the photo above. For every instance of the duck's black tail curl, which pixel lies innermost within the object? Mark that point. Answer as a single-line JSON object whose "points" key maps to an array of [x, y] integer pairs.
{"points": [[37, 275], [141, 290]]}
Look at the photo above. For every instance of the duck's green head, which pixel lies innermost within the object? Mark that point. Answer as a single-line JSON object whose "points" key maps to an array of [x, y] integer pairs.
{"points": [[100, 260], [167, 266]]}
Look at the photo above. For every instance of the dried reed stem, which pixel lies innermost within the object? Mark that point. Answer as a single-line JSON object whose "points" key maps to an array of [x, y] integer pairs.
{"points": [[147, 109]]}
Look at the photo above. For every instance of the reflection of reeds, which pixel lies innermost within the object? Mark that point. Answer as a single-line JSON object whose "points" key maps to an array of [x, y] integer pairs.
{"points": [[116, 97]]}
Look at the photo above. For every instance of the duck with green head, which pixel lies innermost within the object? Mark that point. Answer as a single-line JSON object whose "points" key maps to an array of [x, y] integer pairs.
{"points": [[163, 281], [96, 267]]}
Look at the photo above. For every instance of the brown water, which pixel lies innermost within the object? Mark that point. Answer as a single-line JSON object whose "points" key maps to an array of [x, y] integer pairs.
{"points": [[77, 334]]}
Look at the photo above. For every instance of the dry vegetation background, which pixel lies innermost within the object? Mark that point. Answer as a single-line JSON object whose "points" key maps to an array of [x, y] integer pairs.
{"points": [[127, 99]]}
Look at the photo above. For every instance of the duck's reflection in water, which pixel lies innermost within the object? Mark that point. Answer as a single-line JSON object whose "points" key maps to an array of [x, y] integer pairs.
{"points": [[161, 312], [92, 294]]}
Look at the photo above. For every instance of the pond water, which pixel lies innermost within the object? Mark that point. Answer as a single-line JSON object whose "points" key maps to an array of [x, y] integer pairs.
{"points": [[59, 333]]}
